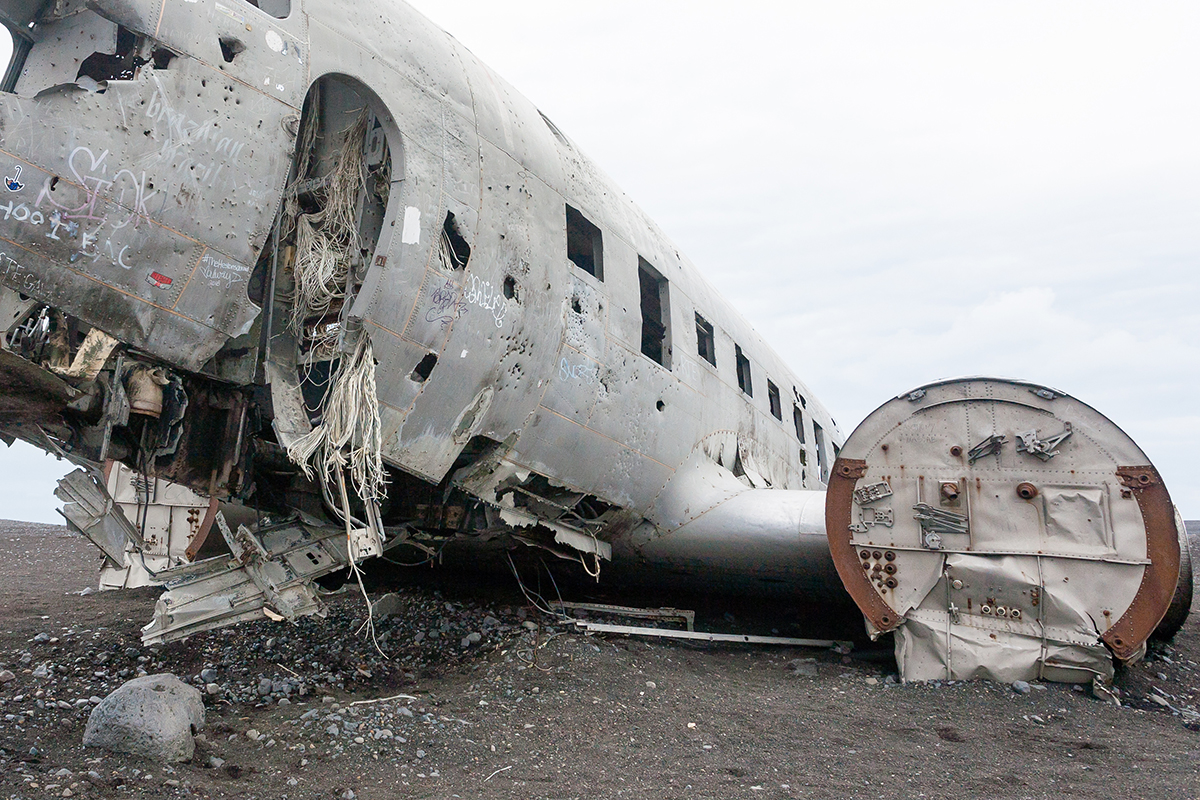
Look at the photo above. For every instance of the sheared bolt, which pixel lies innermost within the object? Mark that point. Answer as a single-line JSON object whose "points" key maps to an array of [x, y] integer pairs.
{"points": [[950, 491]]}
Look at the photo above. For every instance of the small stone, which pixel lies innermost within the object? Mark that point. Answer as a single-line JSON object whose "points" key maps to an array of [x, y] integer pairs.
{"points": [[63, 773], [405, 711], [332, 730], [213, 688], [348, 794], [264, 687], [216, 763], [42, 670], [1162, 701], [420, 637], [208, 675], [7, 676], [292, 782], [42, 637], [806, 667], [1021, 687], [384, 734], [420, 754], [651, 685], [283, 701], [311, 714], [872, 681], [253, 735]]}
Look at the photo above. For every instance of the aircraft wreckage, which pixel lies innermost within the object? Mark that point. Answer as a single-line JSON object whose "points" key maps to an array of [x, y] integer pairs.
{"points": [[314, 259]]}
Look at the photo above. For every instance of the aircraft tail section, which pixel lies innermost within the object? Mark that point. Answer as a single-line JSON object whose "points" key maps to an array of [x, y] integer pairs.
{"points": [[1003, 530]]}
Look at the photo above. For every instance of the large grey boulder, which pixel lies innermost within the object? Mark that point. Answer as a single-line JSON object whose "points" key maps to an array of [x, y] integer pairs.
{"points": [[154, 716]]}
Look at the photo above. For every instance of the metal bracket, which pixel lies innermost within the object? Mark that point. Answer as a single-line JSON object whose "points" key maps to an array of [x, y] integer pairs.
{"points": [[869, 494], [987, 447], [1029, 442], [938, 522]]}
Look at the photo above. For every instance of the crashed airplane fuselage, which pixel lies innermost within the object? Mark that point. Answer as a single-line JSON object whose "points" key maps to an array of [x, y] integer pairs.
{"points": [[316, 259]]}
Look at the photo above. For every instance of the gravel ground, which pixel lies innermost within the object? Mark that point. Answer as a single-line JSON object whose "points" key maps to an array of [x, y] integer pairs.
{"points": [[482, 697]]}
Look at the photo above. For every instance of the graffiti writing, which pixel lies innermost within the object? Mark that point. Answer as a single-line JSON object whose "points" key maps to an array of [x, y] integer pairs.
{"points": [[216, 271], [17, 277], [488, 297], [446, 306], [588, 373], [127, 189], [180, 131]]}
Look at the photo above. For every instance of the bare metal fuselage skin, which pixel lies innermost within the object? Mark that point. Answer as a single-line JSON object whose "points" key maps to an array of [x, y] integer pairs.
{"points": [[234, 235], [146, 208]]}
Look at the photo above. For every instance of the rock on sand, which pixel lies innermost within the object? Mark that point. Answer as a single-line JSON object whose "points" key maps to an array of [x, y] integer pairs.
{"points": [[154, 716]]}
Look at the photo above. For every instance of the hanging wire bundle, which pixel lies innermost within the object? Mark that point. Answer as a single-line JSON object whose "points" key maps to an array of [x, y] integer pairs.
{"points": [[326, 239], [350, 434]]}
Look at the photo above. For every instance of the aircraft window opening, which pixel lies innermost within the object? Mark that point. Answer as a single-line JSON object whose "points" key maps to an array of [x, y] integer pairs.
{"points": [[280, 9], [510, 287], [231, 48], [822, 458], [455, 250], [773, 398], [162, 58], [798, 419], [585, 244], [424, 369], [654, 289], [704, 340], [745, 382]]}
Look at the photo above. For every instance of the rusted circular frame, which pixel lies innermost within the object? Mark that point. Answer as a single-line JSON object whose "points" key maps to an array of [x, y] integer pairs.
{"points": [[1125, 637], [1153, 598], [838, 507]]}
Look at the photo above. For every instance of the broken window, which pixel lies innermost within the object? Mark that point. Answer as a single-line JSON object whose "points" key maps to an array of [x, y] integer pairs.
{"points": [[280, 9], [743, 371], [822, 459], [773, 398], [455, 252], [798, 419], [585, 246], [654, 312], [704, 340]]}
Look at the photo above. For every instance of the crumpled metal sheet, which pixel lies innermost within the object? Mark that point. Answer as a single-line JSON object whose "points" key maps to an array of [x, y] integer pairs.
{"points": [[272, 569]]}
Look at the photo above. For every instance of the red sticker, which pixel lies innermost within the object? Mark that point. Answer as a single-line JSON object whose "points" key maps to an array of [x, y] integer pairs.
{"points": [[158, 280]]}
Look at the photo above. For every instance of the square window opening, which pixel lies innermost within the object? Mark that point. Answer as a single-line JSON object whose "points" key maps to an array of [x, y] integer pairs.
{"points": [[773, 398], [743, 371], [705, 344], [585, 244], [822, 458], [280, 9], [655, 313]]}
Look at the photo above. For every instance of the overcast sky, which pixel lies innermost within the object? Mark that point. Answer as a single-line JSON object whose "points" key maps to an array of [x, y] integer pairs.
{"points": [[895, 192]]}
